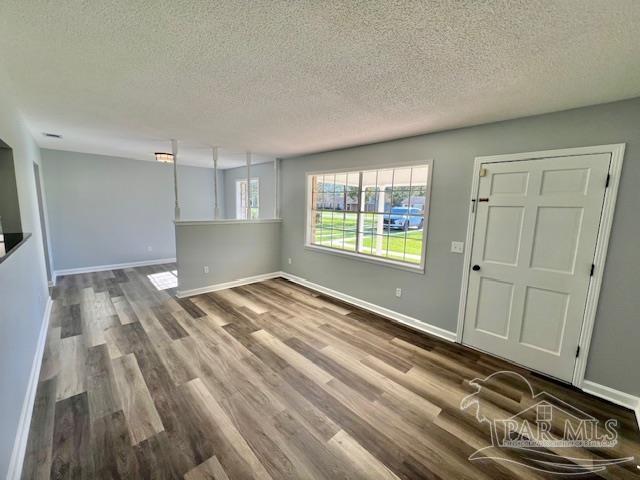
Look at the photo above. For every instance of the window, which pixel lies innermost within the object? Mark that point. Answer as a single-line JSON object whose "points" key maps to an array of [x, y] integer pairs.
{"points": [[378, 214], [241, 199]]}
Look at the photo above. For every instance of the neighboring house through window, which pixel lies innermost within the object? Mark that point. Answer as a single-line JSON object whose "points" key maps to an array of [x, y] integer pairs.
{"points": [[377, 214], [246, 199]]}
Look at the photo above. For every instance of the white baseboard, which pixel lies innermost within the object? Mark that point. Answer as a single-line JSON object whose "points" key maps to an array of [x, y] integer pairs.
{"points": [[225, 285], [382, 311], [614, 396], [115, 266], [22, 434]]}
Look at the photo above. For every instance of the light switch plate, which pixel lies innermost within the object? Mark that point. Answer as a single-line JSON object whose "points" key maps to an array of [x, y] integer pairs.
{"points": [[457, 247]]}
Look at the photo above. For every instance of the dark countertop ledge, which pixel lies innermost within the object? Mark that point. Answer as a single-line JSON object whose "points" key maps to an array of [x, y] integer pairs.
{"points": [[10, 242]]}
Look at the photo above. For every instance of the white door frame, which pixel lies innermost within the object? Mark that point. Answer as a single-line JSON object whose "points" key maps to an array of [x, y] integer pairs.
{"points": [[602, 242]]}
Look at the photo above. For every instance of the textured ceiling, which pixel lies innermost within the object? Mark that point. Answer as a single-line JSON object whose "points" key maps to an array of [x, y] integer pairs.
{"points": [[121, 77]]}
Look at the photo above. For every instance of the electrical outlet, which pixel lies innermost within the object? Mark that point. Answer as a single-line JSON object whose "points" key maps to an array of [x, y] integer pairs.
{"points": [[206, 269], [289, 260], [149, 248], [398, 292], [457, 247]]}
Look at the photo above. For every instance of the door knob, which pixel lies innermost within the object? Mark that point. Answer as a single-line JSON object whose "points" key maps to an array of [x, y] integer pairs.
{"points": [[475, 268]]}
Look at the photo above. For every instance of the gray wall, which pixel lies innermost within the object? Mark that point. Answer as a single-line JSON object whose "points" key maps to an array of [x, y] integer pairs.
{"points": [[108, 210], [9, 207], [231, 250], [433, 297], [23, 282], [263, 171]]}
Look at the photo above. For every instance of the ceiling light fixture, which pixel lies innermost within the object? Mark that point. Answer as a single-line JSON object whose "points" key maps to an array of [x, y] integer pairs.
{"points": [[164, 157]]}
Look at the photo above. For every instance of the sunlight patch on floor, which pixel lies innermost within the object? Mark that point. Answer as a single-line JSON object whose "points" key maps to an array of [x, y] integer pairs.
{"points": [[164, 280]]}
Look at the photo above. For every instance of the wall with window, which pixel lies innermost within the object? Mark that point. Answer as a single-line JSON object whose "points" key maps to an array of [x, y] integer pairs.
{"points": [[433, 296], [109, 210], [263, 172]]}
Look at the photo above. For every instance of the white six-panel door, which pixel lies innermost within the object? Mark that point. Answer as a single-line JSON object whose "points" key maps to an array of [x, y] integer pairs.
{"points": [[534, 239]]}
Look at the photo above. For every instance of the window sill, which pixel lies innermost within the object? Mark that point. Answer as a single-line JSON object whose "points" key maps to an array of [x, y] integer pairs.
{"points": [[228, 221], [366, 258]]}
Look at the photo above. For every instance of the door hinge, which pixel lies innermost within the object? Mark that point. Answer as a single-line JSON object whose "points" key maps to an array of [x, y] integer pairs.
{"points": [[606, 185], [593, 267], [578, 351]]}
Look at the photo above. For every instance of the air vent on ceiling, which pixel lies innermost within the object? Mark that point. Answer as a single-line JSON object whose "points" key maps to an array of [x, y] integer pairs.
{"points": [[51, 135]]}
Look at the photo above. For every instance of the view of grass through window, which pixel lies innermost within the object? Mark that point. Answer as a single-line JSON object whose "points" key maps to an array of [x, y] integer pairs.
{"points": [[379, 213]]}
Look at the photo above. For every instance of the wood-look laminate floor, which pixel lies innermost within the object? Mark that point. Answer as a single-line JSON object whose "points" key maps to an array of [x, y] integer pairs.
{"points": [[270, 380]]}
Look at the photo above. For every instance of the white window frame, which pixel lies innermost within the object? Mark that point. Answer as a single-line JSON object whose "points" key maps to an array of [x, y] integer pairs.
{"points": [[241, 213], [416, 268]]}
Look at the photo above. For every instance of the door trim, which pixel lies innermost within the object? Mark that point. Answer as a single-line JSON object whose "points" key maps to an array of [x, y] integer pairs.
{"points": [[602, 243]]}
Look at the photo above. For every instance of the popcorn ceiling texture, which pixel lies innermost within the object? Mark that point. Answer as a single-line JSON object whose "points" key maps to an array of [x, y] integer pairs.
{"points": [[290, 77]]}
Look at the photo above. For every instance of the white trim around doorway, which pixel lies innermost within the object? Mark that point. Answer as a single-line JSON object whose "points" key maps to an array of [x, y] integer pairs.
{"points": [[606, 220]]}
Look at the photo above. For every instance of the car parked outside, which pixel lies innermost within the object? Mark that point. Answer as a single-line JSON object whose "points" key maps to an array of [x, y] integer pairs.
{"points": [[403, 218]]}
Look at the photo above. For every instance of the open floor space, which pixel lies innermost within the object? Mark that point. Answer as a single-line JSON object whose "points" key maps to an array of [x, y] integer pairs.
{"points": [[319, 239], [269, 380]]}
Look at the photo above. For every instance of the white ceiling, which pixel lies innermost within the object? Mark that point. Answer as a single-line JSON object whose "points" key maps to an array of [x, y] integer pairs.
{"points": [[281, 78]]}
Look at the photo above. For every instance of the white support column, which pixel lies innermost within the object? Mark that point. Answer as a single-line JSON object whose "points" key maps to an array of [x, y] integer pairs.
{"points": [[276, 188], [216, 209], [174, 150], [248, 205]]}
